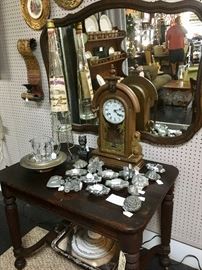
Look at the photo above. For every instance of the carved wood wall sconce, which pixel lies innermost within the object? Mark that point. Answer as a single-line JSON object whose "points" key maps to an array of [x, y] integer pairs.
{"points": [[34, 87]]}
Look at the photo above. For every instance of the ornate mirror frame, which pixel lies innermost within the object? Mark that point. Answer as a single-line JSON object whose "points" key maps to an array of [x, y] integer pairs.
{"points": [[149, 7]]}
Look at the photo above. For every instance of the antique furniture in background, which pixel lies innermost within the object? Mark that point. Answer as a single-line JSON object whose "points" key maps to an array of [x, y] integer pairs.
{"points": [[139, 5], [102, 66], [147, 96], [185, 93]]}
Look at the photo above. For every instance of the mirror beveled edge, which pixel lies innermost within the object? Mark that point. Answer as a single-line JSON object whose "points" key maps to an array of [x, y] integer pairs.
{"points": [[149, 7]]}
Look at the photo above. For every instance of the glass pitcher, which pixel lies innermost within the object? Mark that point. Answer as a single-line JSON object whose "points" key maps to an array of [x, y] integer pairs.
{"points": [[44, 149]]}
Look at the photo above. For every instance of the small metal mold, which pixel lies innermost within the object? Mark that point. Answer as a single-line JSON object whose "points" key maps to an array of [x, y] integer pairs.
{"points": [[61, 188], [155, 167], [95, 165], [132, 203], [117, 183], [161, 129], [80, 164], [133, 190], [109, 174], [76, 172], [90, 178], [128, 172], [124, 174], [140, 180], [55, 181], [159, 168], [98, 189], [152, 175], [174, 132], [72, 184]]}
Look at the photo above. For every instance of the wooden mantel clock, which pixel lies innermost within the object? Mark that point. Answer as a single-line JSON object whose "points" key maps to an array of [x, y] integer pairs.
{"points": [[118, 140]]}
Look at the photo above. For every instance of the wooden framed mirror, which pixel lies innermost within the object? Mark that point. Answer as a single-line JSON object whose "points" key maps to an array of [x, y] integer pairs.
{"points": [[191, 111]]}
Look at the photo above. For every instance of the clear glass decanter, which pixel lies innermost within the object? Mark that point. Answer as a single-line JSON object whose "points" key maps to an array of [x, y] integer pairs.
{"points": [[60, 111]]}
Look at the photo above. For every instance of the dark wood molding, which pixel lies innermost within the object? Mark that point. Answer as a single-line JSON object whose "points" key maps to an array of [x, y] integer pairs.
{"points": [[144, 6]]}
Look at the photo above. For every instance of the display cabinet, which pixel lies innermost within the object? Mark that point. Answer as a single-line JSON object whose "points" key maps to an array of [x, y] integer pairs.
{"points": [[105, 49]]}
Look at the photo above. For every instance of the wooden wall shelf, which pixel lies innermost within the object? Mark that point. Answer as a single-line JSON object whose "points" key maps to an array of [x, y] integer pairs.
{"points": [[102, 66], [108, 60]]}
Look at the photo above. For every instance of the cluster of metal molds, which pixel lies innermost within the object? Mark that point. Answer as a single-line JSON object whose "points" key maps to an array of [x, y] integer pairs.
{"points": [[99, 181], [164, 131]]}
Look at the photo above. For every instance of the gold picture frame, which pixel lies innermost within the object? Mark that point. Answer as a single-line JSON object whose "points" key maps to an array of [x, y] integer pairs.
{"points": [[68, 4], [35, 12]]}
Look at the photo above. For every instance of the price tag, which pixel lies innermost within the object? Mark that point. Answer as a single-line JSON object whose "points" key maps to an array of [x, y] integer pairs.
{"points": [[53, 155], [142, 199], [122, 261], [61, 188], [118, 200], [128, 214], [159, 182]]}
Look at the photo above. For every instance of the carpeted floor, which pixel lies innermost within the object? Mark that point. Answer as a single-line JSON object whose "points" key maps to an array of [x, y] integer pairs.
{"points": [[46, 259]]}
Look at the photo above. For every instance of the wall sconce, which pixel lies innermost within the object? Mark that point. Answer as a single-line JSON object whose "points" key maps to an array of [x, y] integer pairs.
{"points": [[34, 87]]}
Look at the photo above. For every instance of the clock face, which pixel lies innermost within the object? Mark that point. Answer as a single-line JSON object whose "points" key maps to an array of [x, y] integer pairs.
{"points": [[113, 111]]}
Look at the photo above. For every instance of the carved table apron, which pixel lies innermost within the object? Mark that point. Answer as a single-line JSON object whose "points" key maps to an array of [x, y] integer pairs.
{"points": [[92, 212]]}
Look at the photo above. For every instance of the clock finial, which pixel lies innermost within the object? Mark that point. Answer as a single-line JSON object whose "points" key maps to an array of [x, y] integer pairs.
{"points": [[113, 79], [113, 71]]}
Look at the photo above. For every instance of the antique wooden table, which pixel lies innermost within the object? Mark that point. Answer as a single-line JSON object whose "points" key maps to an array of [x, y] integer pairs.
{"points": [[179, 91], [91, 212]]}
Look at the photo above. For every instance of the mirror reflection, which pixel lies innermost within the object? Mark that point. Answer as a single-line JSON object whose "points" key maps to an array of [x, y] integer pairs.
{"points": [[166, 49], [161, 70]]}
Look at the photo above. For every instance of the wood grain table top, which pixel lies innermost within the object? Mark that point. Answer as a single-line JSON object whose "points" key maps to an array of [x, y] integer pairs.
{"points": [[177, 85]]}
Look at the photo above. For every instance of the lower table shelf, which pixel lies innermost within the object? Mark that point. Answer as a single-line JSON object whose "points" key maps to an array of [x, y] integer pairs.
{"points": [[62, 245]]}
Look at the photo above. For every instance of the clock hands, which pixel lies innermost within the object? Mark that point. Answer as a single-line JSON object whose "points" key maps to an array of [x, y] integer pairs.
{"points": [[118, 113], [113, 111]]}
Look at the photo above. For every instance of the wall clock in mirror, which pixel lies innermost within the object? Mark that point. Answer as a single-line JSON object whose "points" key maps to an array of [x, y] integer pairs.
{"points": [[35, 12], [68, 4]]}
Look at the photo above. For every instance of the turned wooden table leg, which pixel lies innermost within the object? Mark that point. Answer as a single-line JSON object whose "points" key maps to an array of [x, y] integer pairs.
{"points": [[166, 225], [14, 228], [130, 245]]}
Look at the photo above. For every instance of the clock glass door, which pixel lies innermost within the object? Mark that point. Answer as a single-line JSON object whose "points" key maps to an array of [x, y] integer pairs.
{"points": [[113, 126]]}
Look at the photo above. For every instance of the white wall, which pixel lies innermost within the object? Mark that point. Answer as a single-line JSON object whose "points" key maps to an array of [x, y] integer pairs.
{"points": [[25, 120]]}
